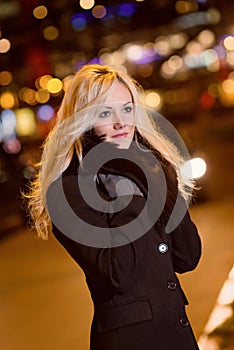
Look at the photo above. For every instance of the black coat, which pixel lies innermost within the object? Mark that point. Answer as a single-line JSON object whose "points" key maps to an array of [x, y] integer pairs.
{"points": [[138, 300]]}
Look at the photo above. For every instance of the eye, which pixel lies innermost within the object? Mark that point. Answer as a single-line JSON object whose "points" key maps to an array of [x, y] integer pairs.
{"points": [[128, 109], [105, 114]]}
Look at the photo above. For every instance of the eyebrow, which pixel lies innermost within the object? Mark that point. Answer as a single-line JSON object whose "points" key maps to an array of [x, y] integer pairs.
{"points": [[125, 104]]}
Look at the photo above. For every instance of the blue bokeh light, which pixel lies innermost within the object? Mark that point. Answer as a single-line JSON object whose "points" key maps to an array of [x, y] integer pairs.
{"points": [[126, 10], [78, 21], [45, 112]]}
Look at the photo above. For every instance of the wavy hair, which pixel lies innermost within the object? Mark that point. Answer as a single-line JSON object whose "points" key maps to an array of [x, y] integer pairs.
{"points": [[77, 114]]}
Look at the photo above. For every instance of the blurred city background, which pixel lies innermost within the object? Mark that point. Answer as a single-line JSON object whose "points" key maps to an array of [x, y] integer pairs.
{"points": [[182, 53]]}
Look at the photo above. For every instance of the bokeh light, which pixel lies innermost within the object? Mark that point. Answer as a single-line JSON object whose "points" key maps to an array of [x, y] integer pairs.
{"points": [[228, 86], [12, 146], [54, 85], [5, 45], [42, 95], [126, 10], [194, 47], [167, 71], [44, 80], [99, 11], [183, 6], [206, 38], [162, 46], [153, 99], [45, 112], [25, 122], [29, 96], [8, 119], [51, 33], [133, 52], [78, 22], [6, 78], [213, 15], [193, 168], [29, 172], [175, 62], [40, 12], [177, 41], [87, 4], [7, 100], [229, 43]]}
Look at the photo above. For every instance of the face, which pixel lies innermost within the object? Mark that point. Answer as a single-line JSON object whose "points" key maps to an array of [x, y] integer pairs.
{"points": [[116, 117]]}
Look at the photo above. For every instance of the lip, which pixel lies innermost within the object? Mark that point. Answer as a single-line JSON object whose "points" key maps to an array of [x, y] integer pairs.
{"points": [[124, 134]]}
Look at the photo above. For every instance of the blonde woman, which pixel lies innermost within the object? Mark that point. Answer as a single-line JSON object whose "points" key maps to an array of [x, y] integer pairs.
{"points": [[108, 184]]}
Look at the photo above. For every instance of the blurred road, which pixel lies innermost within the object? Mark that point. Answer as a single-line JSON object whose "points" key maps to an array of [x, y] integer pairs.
{"points": [[44, 300]]}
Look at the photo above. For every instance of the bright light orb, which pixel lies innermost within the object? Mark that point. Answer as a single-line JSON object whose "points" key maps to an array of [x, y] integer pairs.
{"points": [[45, 113], [40, 12], [25, 122], [87, 4], [193, 168], [54, 85], [5, 45]]}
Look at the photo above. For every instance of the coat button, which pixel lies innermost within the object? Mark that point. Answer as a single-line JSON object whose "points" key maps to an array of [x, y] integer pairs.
{"points": [[184, 322], [162, 248], [171, 285]]}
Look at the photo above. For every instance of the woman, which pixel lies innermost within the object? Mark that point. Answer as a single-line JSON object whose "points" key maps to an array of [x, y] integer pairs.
{"points": [[107, 186]]}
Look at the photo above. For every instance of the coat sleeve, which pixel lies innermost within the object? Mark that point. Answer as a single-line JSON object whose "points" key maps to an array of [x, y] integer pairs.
{"points": [[186, 245], [114, 267]]}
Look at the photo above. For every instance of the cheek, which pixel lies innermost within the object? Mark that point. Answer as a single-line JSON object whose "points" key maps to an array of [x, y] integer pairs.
{"points": [[100, 130]]}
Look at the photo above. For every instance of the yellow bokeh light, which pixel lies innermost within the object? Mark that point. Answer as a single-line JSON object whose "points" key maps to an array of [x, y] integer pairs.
{"points": [[7, 100], [153, 99], [6, 77], [44, 80], [206, 38], [133, 52], [194, 47], [54, 85], [40, 12], [25, 122], [229, 43], [177, 41], [213, 15], [107, 58], [5, 45], [167, 71], [87, 4], [50, 33], [186, 6], [175, 62], [29, 96], [118, 58], [42, 95], [228, 86], [162, 46]]}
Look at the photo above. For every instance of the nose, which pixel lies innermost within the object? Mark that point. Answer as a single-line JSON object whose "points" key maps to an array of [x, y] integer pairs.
{"points": [[119, 123]]}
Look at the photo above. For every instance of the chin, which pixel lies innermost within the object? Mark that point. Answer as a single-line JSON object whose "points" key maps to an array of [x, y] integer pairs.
{"points": [[123, 143]]}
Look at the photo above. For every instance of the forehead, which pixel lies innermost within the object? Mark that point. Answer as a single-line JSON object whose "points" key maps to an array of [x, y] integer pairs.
{"points": [[119, 93]]}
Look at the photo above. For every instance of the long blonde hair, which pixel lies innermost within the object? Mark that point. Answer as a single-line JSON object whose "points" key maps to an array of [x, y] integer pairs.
{"points": [[89, 88]]}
